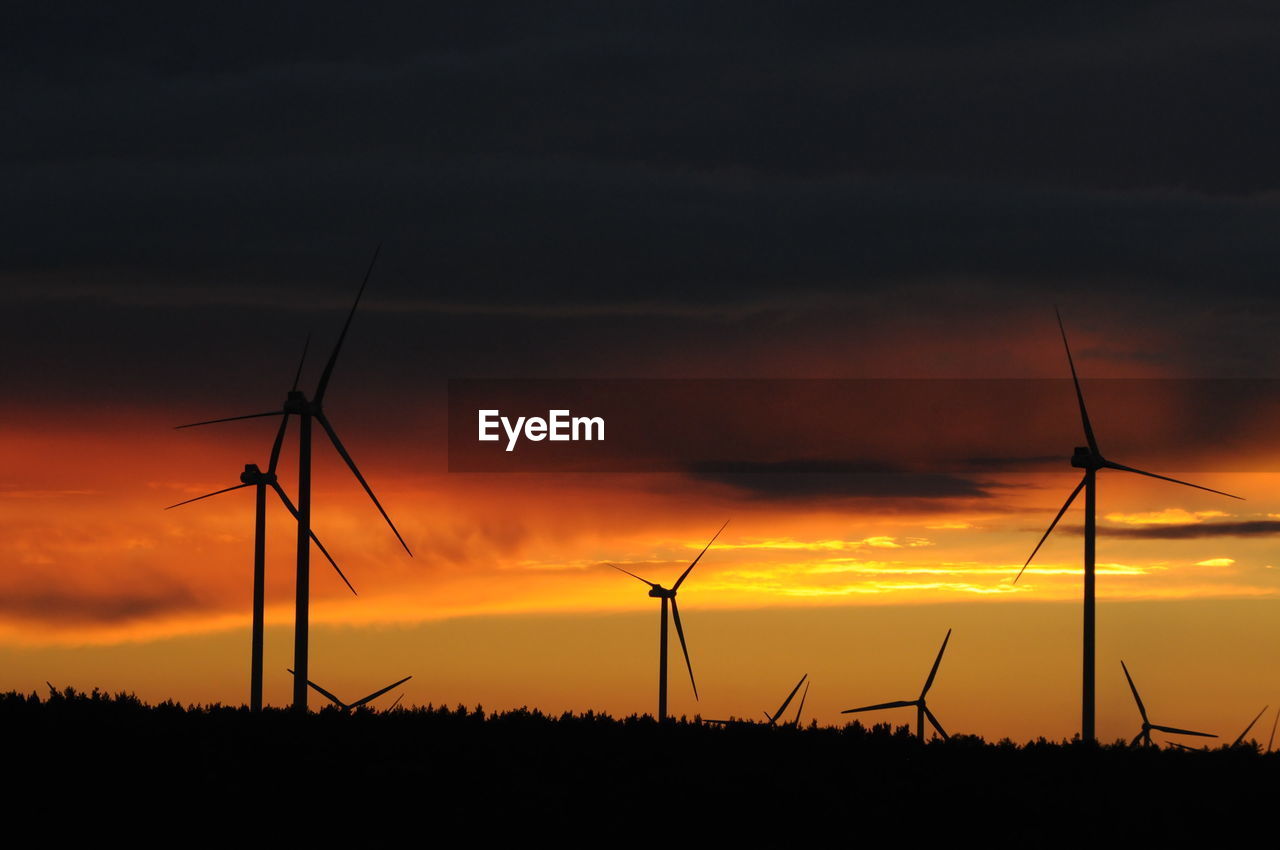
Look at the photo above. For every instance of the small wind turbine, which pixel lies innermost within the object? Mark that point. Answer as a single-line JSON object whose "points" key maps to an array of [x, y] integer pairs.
{"points": [[348, 707], [657, 591], [1240, 738], [773, 718], [307, 410], [253, 476], [922, 708], [1091, 460], [1145, 734]]}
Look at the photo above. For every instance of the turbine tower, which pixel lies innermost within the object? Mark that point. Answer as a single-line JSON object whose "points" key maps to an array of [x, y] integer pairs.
{"points": [[307, 410], [1145, 734], [253, 476], [657, 591], [921, 707], [348, 707], [1090, 459]]}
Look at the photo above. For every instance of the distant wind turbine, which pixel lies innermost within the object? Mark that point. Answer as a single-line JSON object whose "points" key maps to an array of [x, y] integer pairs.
{"points": [[1240, 738], [352, 706], [921, 707], [253, 476], [297, 404], [1145, 734], [775, 716], [657, 591], [1091, 460]]}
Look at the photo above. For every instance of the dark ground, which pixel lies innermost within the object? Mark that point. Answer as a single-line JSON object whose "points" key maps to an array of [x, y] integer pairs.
{"points": [[106, 763]]}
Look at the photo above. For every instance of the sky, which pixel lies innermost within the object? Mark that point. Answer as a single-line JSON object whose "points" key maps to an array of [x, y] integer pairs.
{"points": [[694, 190]]}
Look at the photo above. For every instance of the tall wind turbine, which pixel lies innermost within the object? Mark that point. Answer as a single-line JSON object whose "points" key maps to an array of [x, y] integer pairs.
{"points": [[348, 707], [253, 476], [1145, 734], [921, 707], [1091, 460], [657, 591], [307, 410]]}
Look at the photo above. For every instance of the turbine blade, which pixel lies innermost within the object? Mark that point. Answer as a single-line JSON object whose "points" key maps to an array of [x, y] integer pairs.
{"points": [[689, 568], [1084, 414], [1240, 739], [208, 495], [397, 702], [316, 540], [351, 464], [339, 703], [773, 718], [1173, 730], [1123, 468], [277, 445], [902, 703], [675, 615], [1137, 738], [1272, 739], [799, 710], [379, 693], [301, 360], [1142, 709], [228, 419], [628, 572], [333, 358], [936, 725], [1052, 526], [937, 661]]}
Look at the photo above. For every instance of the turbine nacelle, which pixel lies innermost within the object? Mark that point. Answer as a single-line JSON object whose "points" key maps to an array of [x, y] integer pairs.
{"points": [[1087, 458], [254, 475], [660, 592], [296, 402]]}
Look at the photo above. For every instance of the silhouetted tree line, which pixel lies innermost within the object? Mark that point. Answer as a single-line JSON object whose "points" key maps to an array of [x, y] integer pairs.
{"points": [[482, 769]]}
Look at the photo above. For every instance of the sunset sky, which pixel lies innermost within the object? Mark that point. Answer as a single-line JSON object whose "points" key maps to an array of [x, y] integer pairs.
{"points": [[692, 191]]}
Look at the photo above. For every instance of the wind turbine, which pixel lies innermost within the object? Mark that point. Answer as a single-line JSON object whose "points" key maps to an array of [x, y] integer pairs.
{"points": [[922, 708], [297, 404], [1091, 460], [253, 476], [1240, 738], [352, 706], [657, 591], [1145, 734], [773, 718]]}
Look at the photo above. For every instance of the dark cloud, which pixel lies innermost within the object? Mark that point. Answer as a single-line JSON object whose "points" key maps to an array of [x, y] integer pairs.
{"points": [[70, 606], [825, 481], [692, 152], [1188, 531]]}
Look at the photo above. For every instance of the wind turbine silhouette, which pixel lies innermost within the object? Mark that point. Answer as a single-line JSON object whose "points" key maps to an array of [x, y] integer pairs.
{"points": [[773, 718], [297, 404], [657, 591], [253, 476], [1240, 738], [352, 706], [1145, 734], [922, 708], [1091, 460]]}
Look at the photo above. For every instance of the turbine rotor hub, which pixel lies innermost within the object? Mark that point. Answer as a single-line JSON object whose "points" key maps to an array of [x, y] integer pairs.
{"points": [[1086, 458]]}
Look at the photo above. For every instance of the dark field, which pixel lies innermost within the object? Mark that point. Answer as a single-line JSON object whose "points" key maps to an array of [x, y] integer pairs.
{"points": [[101, 756]]}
